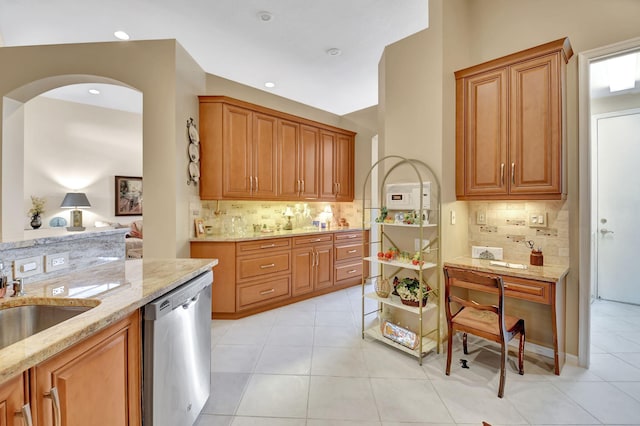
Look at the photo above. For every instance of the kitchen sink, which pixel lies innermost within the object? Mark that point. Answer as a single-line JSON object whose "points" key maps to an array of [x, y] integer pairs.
{"points": [[20, 322]]}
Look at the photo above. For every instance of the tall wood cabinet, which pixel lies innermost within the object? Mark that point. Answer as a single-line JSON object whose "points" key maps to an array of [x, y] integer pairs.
{"points": [[251, 152], [312, 263], [510, 125]]}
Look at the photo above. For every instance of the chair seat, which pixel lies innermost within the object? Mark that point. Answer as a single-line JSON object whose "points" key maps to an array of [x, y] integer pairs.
{"points": [[483, 320]]}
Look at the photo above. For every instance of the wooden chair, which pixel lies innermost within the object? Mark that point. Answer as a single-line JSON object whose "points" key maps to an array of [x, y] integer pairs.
{"points": [[486, 321]]}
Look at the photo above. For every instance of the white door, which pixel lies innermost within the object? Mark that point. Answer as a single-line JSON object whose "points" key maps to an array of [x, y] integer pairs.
{"points": [[618, 205]]}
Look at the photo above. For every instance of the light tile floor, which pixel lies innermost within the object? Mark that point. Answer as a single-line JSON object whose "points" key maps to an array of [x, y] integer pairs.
{"points": [[306, 364]]}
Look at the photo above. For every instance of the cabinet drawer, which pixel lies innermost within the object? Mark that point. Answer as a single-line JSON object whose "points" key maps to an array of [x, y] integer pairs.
{"points": [[351, 251], [312, 239], [346, 272], [348, 236], [250, 295], [535, 291], [250, 267], [261, 245]]}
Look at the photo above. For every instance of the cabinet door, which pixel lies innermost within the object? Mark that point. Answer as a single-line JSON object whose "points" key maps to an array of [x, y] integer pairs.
{"points": [[343, 167], [237, 151], [309, 163], [264, 170], [12, 398], [482, 142], [288, 164], [98, 380], [323, 270], [328, 187], [303, 271], [535, 126]]}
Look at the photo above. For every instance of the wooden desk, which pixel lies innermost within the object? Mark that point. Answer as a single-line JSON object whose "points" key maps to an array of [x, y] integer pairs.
{"points": [[538, 284]]}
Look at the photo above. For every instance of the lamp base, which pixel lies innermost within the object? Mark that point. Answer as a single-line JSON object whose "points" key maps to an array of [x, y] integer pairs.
{"points": [[76, 228], [288, 226]]}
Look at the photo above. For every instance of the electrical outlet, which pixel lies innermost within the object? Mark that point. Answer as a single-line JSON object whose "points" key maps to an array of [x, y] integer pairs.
{"points": [[54, 262], [27, 267], [537, 219], [425, 245], [453, 217]]}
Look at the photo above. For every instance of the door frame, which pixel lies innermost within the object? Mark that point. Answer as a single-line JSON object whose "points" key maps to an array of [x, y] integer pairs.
{"points": [[587, 232]]}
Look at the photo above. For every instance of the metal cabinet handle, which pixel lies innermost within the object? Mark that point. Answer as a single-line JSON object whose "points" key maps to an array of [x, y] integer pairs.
{"points": [[265, 292], [55, 398], [25, 413], [271, 265], [352, 251], [513, 173], [353, 271], [501, 174], [266, 246], [339, 188], [250, 183], [605, 231], [352, 236], [302, 185], [256, 178]]}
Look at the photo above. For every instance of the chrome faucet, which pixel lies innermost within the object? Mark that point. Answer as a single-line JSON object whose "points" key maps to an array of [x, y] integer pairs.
{"points": [[18, 287]]}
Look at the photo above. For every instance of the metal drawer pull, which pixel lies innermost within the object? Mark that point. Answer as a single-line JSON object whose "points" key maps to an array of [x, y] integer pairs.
{"points": [[316, 240], [55, 398], [256, 177], [25, 413], [265, 292], [352, 251], [513, 173], [352, 236], [501, 174], [268, 246], [271, 265], [352, 271]]}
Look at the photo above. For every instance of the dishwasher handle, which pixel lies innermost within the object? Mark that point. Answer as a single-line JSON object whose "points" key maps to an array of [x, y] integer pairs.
{"points": [[191, 301]]}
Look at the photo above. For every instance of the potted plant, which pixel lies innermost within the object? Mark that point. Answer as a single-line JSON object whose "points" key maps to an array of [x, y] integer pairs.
{"points": [[408, 289], [36, 210]]}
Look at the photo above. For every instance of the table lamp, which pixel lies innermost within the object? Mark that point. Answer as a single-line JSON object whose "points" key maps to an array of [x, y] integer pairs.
{"points": [[288, 213], [75, 200]]}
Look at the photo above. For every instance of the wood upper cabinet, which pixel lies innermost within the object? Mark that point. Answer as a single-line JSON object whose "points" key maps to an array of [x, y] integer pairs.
{"points": [[97, 380], [12, 399], [336, 165], [248, 151], [510, 130]]}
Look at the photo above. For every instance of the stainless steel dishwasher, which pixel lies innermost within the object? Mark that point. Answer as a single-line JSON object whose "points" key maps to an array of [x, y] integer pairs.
{"points": [[177, 354]]}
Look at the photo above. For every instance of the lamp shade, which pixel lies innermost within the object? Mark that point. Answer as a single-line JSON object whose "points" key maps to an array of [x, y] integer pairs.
{"points": [[75, 200]]}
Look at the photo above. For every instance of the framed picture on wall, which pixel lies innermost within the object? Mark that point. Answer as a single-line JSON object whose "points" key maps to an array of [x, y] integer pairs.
{"points": [[128, 196]]}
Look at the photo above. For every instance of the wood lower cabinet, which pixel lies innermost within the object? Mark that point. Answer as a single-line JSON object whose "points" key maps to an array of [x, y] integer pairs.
{"points": [[312, 263], [254, 276], [510, 126], [248, 152], [97, 380], [12, 399]]}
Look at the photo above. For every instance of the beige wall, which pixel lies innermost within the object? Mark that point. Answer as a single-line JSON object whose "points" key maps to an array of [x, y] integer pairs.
{"points": [[148, 66], [474, 32]]}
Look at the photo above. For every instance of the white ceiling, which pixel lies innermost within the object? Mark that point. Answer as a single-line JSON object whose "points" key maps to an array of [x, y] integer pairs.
{"points": [[227, 38]]}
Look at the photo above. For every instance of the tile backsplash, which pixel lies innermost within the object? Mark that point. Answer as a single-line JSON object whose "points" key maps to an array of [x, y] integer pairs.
{"points": [[224, 215], [509, 225]]}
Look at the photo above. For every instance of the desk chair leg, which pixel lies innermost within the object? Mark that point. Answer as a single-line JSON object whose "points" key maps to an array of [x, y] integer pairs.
{"points": [[449, 344], [464, 344], [503, 370], [521, 352]]}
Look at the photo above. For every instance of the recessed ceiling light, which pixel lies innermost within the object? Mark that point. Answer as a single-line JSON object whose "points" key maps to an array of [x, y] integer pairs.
{"points": [[94, 91], [121, 35], [265, 16], [334, 51], [270, 84]]}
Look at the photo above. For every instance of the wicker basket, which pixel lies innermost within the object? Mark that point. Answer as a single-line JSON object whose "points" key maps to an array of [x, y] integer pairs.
{"points": [[413, 302], [383, 288]]}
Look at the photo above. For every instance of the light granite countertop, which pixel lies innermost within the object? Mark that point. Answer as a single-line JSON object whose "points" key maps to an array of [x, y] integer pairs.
{"points": [[115, 289], [549, 273], [251, 236]]}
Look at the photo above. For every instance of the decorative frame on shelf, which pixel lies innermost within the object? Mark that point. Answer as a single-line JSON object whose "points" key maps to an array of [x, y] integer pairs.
{"points": [[128, 195]]}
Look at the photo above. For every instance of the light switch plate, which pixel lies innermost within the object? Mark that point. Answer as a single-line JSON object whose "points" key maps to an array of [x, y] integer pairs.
{"points": [[484, 252], [537, 219], [481, 217], [27, 267]]}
